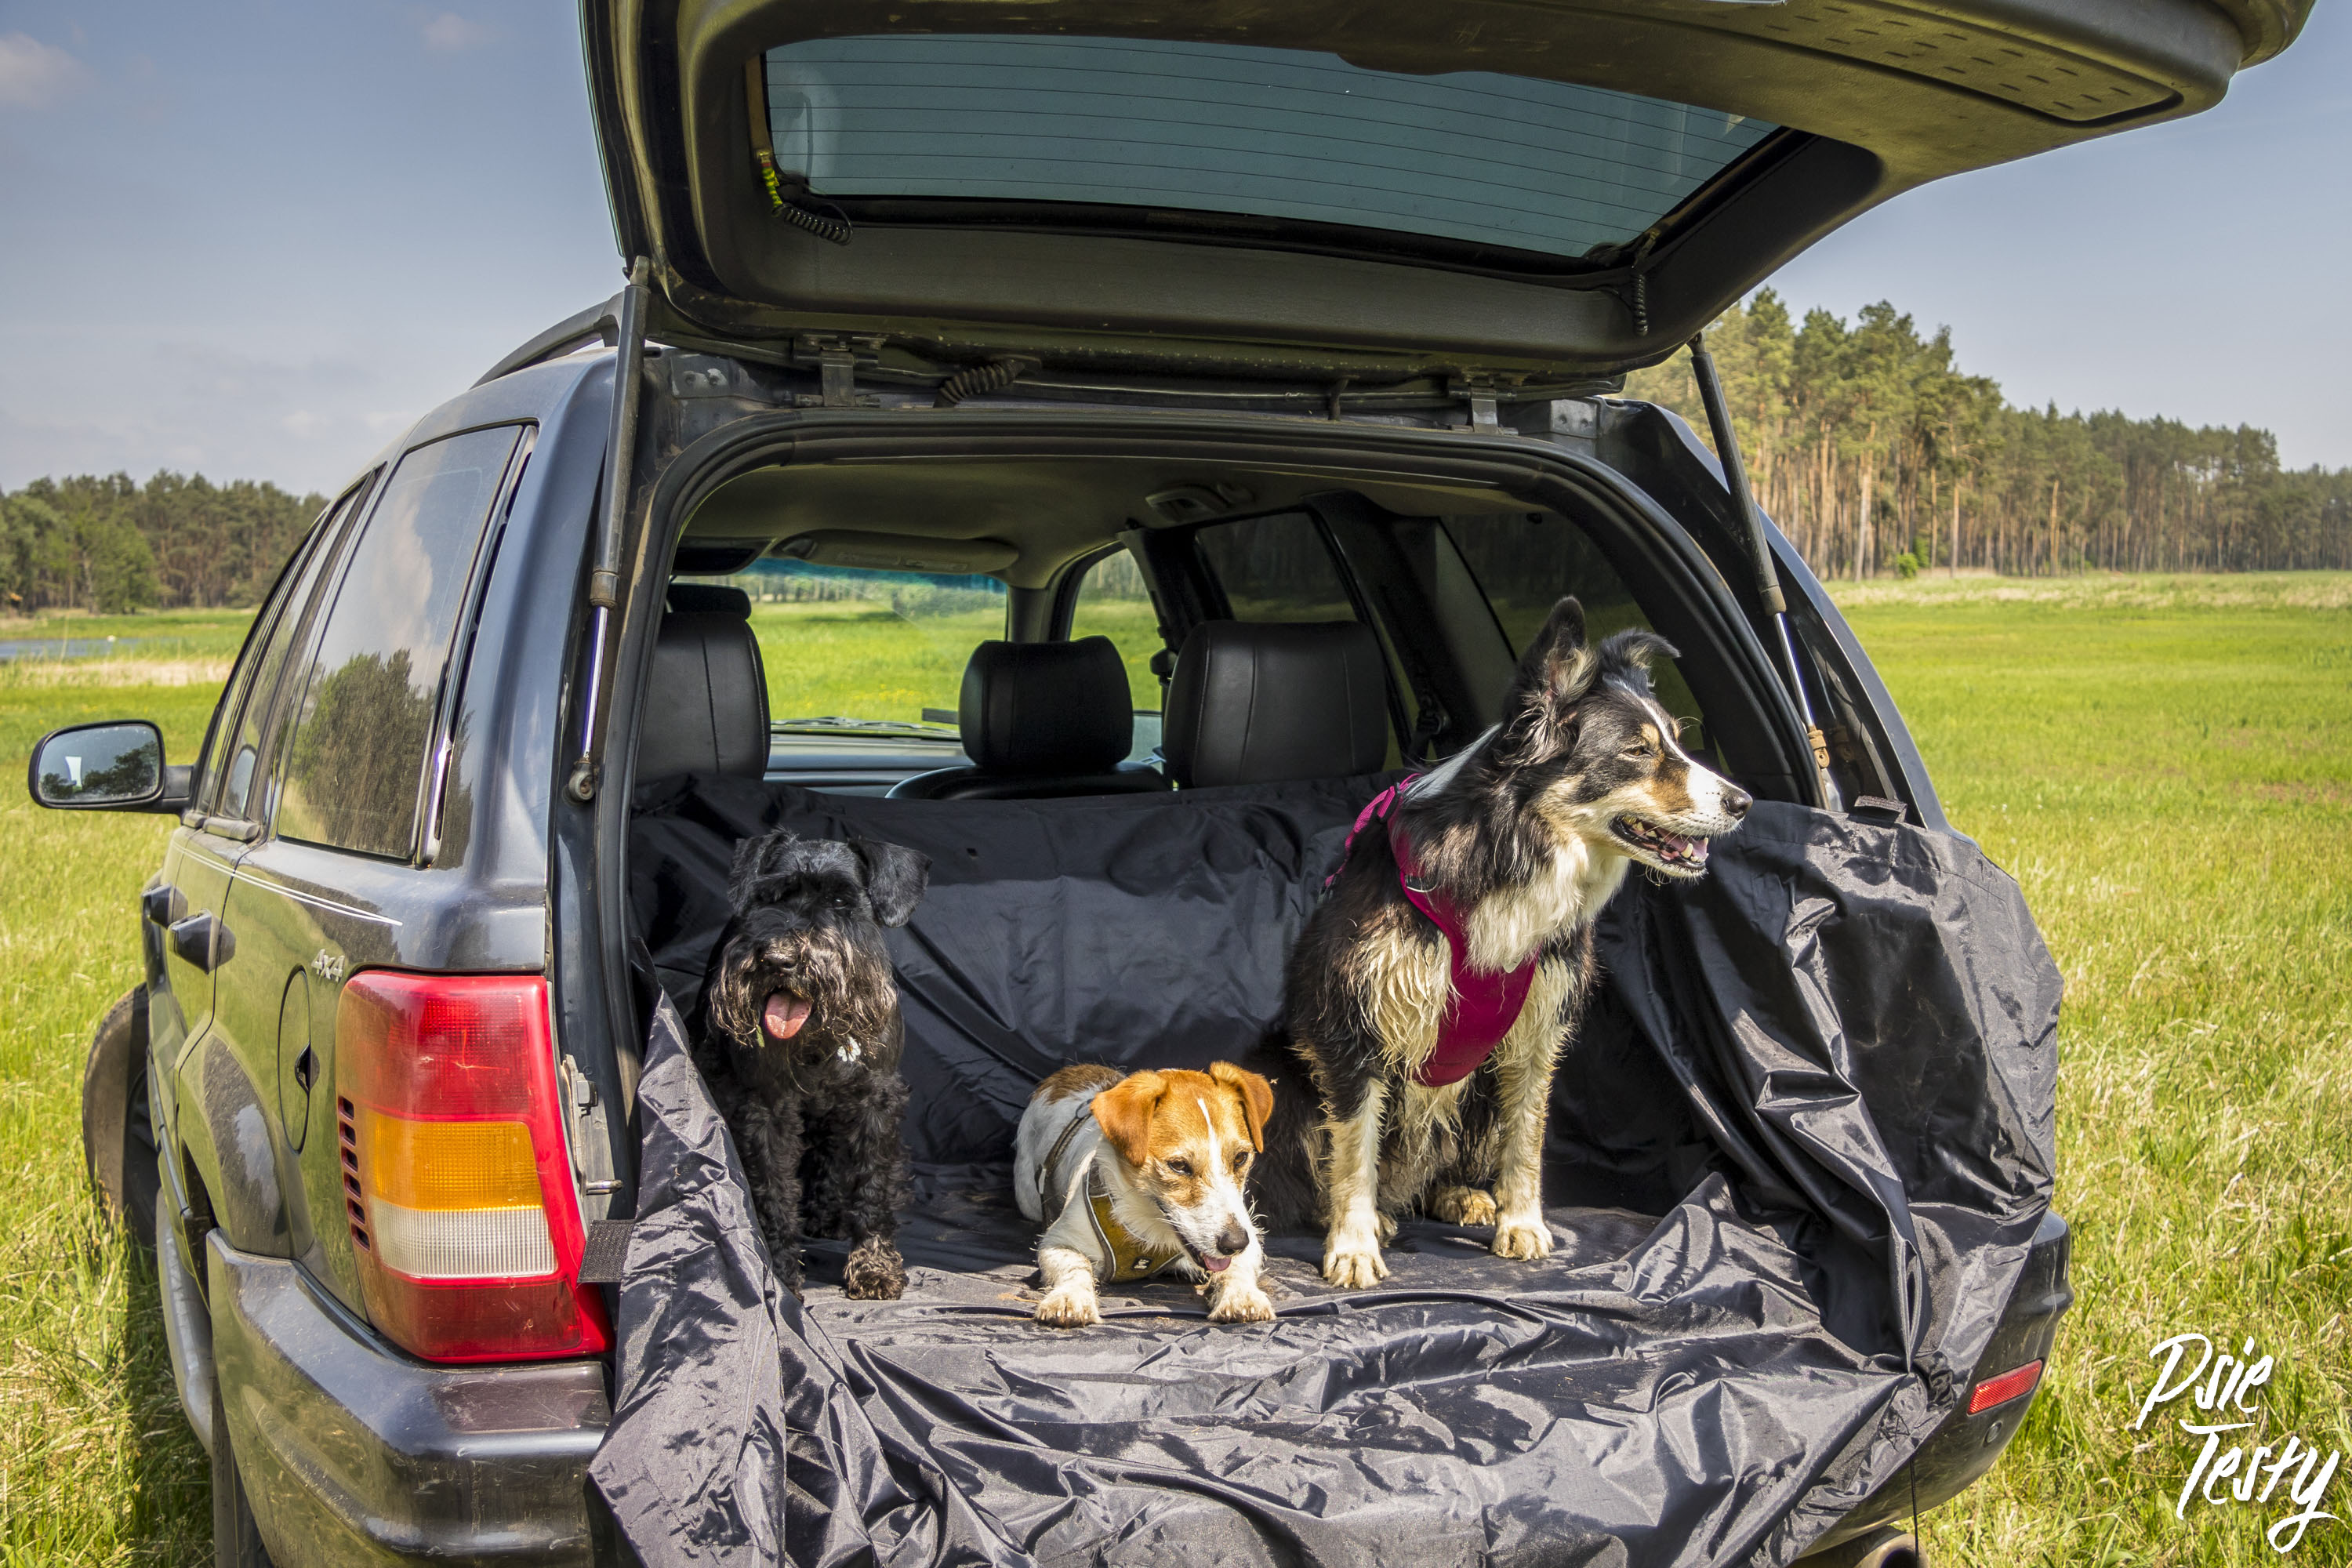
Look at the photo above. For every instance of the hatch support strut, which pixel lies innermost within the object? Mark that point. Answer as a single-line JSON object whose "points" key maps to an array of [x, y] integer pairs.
{"points": [[604, 576], [1760, 548]]}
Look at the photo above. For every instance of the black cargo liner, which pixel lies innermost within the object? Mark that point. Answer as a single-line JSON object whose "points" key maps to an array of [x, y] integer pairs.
{"points": [[1795, 1163]]}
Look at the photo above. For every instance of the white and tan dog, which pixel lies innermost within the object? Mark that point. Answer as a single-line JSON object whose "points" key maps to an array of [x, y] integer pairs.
{"points": [[1137, 1175]]}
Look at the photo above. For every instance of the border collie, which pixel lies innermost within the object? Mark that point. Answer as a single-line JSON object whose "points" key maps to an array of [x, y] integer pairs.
{"points": [[1431, 994]]}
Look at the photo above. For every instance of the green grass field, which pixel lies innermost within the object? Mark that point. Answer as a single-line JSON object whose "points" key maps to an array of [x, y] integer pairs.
{"points": [[2166, 765]]}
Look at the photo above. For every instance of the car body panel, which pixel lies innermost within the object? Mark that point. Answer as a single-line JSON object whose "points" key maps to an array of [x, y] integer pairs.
{"points": [[353, 1453]]}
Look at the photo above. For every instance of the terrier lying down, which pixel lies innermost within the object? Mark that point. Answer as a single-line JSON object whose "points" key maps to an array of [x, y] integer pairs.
{"points": [[1137, 1175]]}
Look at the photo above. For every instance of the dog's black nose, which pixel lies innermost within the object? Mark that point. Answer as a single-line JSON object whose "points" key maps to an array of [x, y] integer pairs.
{"points": [[1232, 1240], [1736, 800]]}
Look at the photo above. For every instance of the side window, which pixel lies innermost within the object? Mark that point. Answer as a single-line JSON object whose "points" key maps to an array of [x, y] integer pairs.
{"points": [[243, 755], [355, 759], [1113, 602], [1276, 569], [215, 760], [1526, 561]]}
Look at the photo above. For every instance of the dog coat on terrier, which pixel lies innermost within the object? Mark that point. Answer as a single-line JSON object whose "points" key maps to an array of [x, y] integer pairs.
{"points": [[1135, 1175]]}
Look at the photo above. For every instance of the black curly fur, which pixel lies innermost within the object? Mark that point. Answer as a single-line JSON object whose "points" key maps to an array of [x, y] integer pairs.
{"points": [[816, 1116]]}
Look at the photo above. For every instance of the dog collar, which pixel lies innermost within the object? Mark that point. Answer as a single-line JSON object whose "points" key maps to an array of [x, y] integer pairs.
{"points": [[1483, 1005]]}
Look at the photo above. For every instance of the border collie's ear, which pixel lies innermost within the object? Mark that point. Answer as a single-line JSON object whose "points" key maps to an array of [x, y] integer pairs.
{"points": [[1558, 664], [1556, 672], [1124, 1111], [895, 877], [1633, 650], [1256, 1097]]}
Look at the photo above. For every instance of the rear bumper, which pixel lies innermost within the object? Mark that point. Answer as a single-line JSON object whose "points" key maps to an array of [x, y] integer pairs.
{"points": [[1965, 1447], [351, 1452]]}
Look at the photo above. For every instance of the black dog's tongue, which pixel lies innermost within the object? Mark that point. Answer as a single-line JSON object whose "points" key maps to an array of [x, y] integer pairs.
{"points": [[784, 1015]]}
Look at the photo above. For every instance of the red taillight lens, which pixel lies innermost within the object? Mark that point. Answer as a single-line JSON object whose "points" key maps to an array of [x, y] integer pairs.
{"points": [[2000, 1389], [457, 1183]]}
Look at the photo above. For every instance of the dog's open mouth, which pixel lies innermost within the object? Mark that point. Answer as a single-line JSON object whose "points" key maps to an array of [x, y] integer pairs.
{"points": [[784, 1013], [1670, 848]]}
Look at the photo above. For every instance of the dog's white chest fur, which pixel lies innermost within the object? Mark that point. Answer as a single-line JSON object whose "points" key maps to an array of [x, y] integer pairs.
{"points": [[1506, 927]]}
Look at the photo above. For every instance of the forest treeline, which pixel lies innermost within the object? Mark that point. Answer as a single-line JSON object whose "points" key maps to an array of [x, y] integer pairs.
{"points": [[1874, 453], [178, 541]]}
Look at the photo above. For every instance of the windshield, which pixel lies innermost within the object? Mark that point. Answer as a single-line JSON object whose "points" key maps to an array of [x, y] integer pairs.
{"points": [[1280, 134], [852, 651]]}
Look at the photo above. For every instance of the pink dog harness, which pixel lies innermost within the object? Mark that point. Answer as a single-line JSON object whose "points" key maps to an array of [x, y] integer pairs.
{"points": [[1484, 1003]]}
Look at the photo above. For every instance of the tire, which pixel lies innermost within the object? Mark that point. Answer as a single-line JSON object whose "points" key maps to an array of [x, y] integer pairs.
{"points": [[118, 1131], [236, 1541]]}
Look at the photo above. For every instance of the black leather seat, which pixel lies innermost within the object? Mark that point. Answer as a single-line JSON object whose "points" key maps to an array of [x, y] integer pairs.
{"points": [[1267, 703], [707, 711], [1040, 719]]}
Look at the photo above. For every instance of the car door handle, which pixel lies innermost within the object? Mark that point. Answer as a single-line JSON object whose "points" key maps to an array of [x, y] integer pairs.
{"points": [[202, 940], [164, 905]]}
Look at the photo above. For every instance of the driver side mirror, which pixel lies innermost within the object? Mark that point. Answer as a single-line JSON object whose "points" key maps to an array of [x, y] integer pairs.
{"points": [[105, 767]]}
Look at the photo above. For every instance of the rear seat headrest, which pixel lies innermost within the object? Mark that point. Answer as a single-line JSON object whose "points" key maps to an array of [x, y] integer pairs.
{"points": [[1265, 702], [1046, 708], [706, 710]]}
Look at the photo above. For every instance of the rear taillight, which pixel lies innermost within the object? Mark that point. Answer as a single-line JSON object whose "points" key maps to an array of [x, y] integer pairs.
{"points": [[457, 1183], [2000, 1389]]}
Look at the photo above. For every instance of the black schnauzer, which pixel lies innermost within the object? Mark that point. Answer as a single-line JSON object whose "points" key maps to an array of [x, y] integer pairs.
{"points": [[799, 1040]]}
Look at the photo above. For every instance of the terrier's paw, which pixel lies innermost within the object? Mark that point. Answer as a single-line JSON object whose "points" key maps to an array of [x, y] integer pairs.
{"points": [[1068, 1309], [1241, 1304], [1462, 1206], [1524, 1239], [874, 1272], [1355, 1269]]}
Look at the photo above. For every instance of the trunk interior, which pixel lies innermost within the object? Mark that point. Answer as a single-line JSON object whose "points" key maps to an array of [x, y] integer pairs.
{"points": [[1780, 1244]]}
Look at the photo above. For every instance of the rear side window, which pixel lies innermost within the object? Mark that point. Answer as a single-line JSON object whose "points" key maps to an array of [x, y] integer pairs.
{"points": [[1276, 569], [1526, 561], [354, 762]]}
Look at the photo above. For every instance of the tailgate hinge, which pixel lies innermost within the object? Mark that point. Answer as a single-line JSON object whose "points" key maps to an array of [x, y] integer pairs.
{"points": [[838, 360], [1477, 389]]}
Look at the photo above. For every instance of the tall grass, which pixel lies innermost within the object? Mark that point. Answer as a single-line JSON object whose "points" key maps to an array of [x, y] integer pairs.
{"points": [[97, 1464], [2165, 764]]}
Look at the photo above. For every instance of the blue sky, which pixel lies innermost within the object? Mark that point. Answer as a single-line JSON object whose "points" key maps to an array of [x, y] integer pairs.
{"points": [[257, 239]]}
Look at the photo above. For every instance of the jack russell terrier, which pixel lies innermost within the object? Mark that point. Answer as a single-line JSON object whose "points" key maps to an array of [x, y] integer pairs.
{"points": [[1138, 1174]]}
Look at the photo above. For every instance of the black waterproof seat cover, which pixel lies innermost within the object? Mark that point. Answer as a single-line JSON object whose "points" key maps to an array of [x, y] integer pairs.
{"points": [[1796, 1160]]}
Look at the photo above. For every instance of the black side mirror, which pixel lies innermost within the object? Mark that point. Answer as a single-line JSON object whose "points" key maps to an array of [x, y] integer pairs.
{"points": [[105, 767]]}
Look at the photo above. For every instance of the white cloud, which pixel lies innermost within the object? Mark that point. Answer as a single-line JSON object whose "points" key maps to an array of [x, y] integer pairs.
{"points": [[33, 75], [450, 33]]}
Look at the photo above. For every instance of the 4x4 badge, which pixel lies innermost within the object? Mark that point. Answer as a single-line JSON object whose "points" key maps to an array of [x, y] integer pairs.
{"points": [[328, 966]]}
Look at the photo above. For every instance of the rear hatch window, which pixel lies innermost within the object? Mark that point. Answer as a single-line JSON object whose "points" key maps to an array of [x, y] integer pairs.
{"points": [[1279, 135]]}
